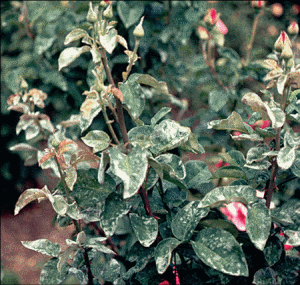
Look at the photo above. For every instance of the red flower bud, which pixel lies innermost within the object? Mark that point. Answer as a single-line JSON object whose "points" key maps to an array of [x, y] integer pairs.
{"points": [[282, 40], [203, 33], [258, 4], [293, 28], [211, 17]]}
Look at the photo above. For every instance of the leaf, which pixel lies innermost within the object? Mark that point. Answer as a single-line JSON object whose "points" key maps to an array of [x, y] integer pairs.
{"points": [[197, 173], [130, 14], [96, 244], [258, 224], [43, 246], [234, 123], [281, 83], [192, 145], [256, 158], [111, 270], [296, 167], [131, 168], [74, 35], [28, 196], [109, 40], [217, 99], [254, 101], [111, 211], [219, 249], [230, 171], [76, 275], [163, 253], [59, 204], [186, 219], [159, 115], [160, 86], [168, 135], [50, 274], [222, 224], [71, 177], [273, 250], [276, 115], [145, 228], [134, 98], [286, 157], [122, 41], [227, 194], [69, 55], [172, 164], [294, 237], [42, 43], [265, 276], [98, 140], [87, 191], [73, 211], [230, 54]]}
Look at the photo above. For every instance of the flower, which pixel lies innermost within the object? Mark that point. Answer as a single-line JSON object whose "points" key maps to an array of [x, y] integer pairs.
{"points": [[258, 4], [293, 28], [221, 163], [221, 27], [211, 17], [236, 212], [282, 40]]}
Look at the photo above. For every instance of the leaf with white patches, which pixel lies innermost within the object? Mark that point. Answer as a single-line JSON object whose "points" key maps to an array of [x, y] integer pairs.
{"points": [[43, 246], [218, 249]]}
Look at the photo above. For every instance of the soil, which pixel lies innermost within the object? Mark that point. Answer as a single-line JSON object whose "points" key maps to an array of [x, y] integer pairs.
{"points": [[33, 222]]}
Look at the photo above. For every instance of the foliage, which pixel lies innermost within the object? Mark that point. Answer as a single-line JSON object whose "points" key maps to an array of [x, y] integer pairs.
{"points": [[141, 215]]}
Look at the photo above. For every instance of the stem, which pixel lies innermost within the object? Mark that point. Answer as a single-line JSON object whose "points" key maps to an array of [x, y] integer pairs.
{"points": [[121, 119], [254, 28], [87, 263], [26, 22], [129, 67]]}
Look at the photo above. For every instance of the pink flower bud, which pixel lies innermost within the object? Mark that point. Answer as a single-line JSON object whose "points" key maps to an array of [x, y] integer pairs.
{"points": [[258, 4], [293, 28], [287, 52], [211, 17], [282, 40], [222, 27], [221, 163], [203, 33]]}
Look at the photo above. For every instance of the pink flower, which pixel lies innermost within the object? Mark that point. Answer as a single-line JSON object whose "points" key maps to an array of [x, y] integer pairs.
{"points": [[236, 212], [168, 283], [221, 163]]}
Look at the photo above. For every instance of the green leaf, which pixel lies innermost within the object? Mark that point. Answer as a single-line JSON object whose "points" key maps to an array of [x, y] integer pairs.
{"points": [[96, 244], [172, 164], [258, 224], [76, 275], [134, 98], [42, 43], [286, 157], [256, 158], [294, 237], [230, 171], [140, 136], [197, 173], [131, 169], [98, 140], [68, 55], [222, 224], [130, 14], [43, 246], [160, 86], [159, 115], [265, 276], [168, 135], [163, 253], [74, 35], [109, 40], [219, 249], [192, 145], [276, 115], [88, 192], [73, 211], [230, 54], [217, 99], [111, 270], [273, 250], [186, 220], [234, 123], [111, 211], [296, 167], [227, 194], [50, 274], [145, 228]]}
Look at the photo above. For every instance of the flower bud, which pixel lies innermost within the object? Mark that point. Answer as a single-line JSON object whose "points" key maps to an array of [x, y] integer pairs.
{"points": [[203, 33], [55, 143], [287, 52], [103, 4], [24, 84], [258, 4], [91, 15], [211, 17], [108, 12], [139, 31], [293, 28], [282, 40]]}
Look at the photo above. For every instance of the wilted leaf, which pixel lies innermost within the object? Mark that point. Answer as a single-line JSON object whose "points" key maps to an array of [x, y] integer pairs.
{"points": [[43, 246], [258, 224], [219, 249], [145, 228], [186, 220]]}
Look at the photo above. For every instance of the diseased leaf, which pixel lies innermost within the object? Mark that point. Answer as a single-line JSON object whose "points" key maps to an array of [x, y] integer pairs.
{"points": [[98, 140], [234, 123], [74, 35], [145, 228], [258, 224], [227, 194], [73, 211], [163, 253], [192, 145], [130, 168], [71, 177], [160, 86], [43, 246], [219, 249], [68, 55], [186, 219]]}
